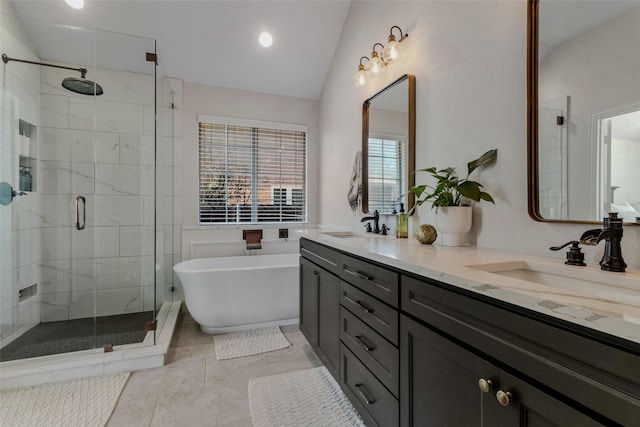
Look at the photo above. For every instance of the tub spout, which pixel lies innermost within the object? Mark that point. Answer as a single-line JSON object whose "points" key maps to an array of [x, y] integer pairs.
{"points": [[253, 239]]}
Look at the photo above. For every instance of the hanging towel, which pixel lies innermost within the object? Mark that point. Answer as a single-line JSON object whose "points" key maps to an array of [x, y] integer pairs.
{"points": [[355, 186]]}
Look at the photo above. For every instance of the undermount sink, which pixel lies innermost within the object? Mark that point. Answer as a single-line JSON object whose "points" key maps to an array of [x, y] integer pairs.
{"points": [[341, 234], [618, 287]]}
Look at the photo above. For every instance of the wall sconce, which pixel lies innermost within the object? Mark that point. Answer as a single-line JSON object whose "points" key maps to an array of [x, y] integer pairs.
{"points": [[391, 53], [361, 75], [376, 65]]}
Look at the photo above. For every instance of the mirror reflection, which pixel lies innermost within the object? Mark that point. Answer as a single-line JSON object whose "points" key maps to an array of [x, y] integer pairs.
{"points": [[388, 147], [588, 110]]}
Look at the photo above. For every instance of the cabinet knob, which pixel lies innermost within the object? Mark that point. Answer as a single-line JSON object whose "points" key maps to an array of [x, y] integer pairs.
{"points": [[504, 397], [485, 385], [316, 272]]}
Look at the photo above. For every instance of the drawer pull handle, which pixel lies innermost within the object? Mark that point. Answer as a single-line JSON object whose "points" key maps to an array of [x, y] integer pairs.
{"points": [[485, 385], [359, 274], [504, 398], [363, 393], [359, 304], [363, 344]]}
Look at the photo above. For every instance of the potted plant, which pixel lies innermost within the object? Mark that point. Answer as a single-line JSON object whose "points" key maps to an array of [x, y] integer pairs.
{"points": [[450, 195]]}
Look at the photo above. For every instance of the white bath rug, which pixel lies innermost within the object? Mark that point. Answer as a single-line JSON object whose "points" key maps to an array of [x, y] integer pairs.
{"points": [[310, 398], [85, 402], [246, 343]]}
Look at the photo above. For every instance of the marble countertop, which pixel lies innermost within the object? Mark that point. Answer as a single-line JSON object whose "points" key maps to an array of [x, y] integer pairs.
{"points": [[609, 309]]}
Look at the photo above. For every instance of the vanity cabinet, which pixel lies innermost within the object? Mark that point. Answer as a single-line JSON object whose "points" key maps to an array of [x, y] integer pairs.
{"points": [[319, 312], [545, 372], [451, 386], [414, 351], [355, 314], [319, 309]]}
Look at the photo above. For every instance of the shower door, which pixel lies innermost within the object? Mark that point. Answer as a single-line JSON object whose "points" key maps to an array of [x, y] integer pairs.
{"points": [[78, 240]]}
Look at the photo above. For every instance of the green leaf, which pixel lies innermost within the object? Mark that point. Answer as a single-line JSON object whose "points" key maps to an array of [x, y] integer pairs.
{"points": [[470, 190], [486, 197], [418, 190], [488, 157]]}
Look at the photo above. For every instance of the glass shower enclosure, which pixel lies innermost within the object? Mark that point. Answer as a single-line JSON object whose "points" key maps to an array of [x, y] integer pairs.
{"points": [[86, 190]]}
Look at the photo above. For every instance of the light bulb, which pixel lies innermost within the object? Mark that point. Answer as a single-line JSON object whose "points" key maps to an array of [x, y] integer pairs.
{"points": [[392, 51], [76, 4], [376, 65], [360, 77]]}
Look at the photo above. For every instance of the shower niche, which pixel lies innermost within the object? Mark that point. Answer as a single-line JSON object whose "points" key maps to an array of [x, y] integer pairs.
{"points": [[27, 165]]}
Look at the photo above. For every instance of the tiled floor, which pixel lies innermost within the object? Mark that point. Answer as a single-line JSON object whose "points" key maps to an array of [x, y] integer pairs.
{"points": [[194, 389]]}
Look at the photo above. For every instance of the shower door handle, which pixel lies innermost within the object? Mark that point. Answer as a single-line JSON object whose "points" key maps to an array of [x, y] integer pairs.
{"points": [[81, 200]]}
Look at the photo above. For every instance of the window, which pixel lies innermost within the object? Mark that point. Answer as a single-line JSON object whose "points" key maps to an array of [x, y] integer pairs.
{"points": [[251, 172], [386, 169]]}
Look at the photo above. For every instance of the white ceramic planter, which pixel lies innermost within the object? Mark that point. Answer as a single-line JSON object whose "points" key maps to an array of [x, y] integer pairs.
{"points": [[453, 223]]}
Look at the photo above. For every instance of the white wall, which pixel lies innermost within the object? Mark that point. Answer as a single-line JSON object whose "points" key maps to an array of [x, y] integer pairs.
{"points": [[469, 59], [627, 179], [218, 101]]}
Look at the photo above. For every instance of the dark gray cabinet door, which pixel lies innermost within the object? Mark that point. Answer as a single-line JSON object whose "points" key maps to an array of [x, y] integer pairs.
{"points": [[329, 321], [439, 381], [309, 274], [528, 406]]}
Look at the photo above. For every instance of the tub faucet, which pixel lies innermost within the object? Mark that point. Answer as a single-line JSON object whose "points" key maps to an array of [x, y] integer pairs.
{"points": [[611, 233], [253, 238], [376, 221]]}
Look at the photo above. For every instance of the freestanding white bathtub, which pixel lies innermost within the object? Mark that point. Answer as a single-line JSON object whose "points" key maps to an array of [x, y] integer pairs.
{"points": [[237, 293]]}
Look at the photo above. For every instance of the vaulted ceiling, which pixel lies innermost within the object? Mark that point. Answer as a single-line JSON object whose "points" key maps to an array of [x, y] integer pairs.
{"points": [[211, 42]]}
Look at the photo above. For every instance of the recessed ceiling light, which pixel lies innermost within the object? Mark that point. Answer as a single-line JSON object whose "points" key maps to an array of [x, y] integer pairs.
{"points": [[265, 39], [76, 4]]}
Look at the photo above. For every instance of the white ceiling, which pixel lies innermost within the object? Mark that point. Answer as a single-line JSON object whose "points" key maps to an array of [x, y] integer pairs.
{"points": [[563, 20], [211, 42]]}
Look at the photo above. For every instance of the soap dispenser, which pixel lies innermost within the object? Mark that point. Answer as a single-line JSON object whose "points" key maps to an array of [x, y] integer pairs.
{"points": [[402, 223]]}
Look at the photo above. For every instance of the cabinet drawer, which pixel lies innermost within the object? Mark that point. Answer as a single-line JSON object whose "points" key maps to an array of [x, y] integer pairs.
{"points": [[382, 318], [377, 354], [375, 404], [377, 281], [323, 256]]}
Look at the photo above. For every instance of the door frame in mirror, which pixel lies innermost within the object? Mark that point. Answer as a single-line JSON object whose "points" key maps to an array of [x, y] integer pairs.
{"points": [[411, 140]]}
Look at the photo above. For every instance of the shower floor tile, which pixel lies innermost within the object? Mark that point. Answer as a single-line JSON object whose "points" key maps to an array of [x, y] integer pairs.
{"points": [[195, 389], [75, 335]]}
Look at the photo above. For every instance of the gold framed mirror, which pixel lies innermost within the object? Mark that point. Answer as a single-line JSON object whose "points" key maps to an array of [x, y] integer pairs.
{"points": [[389, 147], [583, 102]]}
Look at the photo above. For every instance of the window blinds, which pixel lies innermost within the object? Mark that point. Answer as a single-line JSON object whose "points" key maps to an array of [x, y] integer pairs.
{"points": [[251, 174], [386, 169]]}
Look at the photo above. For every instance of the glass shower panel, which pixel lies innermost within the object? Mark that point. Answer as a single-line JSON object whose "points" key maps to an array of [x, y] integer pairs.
{"points": [[125, 193], [78, 261], [48, 137], [166, 96]]}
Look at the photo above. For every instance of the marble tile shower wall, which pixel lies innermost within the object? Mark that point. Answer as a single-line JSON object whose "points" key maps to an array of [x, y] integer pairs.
{"points": [[102, 148], [19, 223]]}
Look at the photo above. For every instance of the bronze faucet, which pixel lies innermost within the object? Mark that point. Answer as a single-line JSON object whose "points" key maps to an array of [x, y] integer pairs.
{"points": [[376, 221], [611, 233]]}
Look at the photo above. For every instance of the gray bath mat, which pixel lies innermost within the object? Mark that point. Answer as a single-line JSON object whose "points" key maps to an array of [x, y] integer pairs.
{"points": [[246, 343], [85, 402], [310, 398]]}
